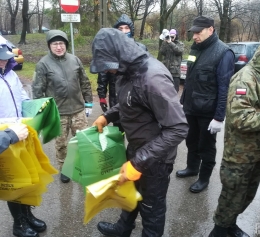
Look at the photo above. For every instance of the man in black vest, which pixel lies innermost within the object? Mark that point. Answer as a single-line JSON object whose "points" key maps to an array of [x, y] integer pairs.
{"points": [[210, 67]]}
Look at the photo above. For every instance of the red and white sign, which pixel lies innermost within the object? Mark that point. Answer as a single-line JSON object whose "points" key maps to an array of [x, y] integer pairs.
{"points": [[69, 6]]}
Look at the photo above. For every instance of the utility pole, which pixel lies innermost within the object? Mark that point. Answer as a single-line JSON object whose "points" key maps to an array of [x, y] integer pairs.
{"points": [[103, 14]]}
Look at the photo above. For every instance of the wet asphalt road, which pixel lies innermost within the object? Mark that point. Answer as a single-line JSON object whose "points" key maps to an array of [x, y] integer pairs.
{"points": [[188, 214]]}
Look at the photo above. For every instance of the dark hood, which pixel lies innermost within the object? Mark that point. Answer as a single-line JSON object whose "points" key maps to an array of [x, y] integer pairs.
{"points": [[112, 49], [125, 20]]}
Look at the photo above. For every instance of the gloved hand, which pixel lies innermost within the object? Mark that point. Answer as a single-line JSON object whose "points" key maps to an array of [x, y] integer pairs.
{"points": [[100, 122], [215, 126], [128, 172], [164, 34], [103, 104]]}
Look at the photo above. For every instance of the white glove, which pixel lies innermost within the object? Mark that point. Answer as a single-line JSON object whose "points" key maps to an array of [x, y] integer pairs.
{"points": [[215, 126], [165, 32]]}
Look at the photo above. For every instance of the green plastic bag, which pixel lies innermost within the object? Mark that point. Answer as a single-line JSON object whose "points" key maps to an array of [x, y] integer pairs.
{"points": [[46, 117], [94, 156]]}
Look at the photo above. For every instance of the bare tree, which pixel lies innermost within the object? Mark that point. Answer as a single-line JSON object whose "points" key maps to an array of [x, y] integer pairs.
{"points": [[199, 5], [25, 21], [40, 12], [148, 4], [165, 12], [223, 8], [13, 7]]}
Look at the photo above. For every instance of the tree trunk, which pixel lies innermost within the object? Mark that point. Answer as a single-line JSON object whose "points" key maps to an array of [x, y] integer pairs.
{"points": [[224, 20], [13, 14], [25, 21], [164, 14], [144, 19], [96, 18], [13, 31]]}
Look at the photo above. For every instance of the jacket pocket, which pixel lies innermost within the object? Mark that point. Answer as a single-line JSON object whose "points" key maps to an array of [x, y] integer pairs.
{"points": [[202, 103]]}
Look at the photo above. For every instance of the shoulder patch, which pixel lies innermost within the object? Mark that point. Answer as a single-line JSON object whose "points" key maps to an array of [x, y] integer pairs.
{"points": [[241, 91]]}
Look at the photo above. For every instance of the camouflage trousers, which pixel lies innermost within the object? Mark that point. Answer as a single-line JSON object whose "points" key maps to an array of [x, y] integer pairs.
{"points": [[69, 123], [239, 187]]}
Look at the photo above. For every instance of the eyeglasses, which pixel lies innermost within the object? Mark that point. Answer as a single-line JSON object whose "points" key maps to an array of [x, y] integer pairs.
{"points": [[56, 44]]}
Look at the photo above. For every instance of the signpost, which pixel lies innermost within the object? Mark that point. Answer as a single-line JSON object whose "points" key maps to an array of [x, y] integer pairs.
{"points": [[70, 6], [70, 17]]}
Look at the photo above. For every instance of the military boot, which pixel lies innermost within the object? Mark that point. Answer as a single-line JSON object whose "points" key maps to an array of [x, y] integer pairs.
{"points": [[34, 222], [109, 229], [22, 229], [235, 231], [218, 231]]}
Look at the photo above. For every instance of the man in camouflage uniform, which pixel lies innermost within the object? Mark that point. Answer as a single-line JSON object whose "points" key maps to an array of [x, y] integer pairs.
{"points": [[240, 168], [62, 76], [172, 50]]}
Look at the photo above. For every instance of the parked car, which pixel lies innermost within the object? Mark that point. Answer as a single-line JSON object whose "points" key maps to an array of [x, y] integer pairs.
{"points": [[243, 51], [16, 51], [183, 69]]}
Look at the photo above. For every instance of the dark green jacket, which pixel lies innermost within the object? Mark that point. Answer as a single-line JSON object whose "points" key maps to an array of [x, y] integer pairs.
{"points": [[64, 79], [242, 126]]}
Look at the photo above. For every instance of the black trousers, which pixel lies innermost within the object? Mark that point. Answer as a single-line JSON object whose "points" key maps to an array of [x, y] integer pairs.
{"points": [[201, 146], [16, 210], [153, 186]]}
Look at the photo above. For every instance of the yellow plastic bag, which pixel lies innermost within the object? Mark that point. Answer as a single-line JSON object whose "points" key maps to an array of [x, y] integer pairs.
{"points": [[107, 194], [25, 171]]}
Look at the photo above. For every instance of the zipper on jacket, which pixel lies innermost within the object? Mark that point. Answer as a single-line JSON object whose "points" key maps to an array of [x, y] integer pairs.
{"points": [[9, 87]]}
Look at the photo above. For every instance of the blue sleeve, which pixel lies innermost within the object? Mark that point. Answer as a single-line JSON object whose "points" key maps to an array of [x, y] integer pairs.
{"points": [[225, 71], [7, 137]]}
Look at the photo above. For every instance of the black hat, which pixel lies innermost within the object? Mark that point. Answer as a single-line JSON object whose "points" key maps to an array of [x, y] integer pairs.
{"points": [[5, 54], [57, 35], [201, 22], [57, 38]]}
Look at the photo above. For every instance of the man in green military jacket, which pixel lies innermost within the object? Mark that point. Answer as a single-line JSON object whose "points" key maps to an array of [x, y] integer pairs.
{"points": [[240, 168]]}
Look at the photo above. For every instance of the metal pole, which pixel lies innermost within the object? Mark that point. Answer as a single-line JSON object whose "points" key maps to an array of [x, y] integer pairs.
{"points": [[103, 13], [72, 38]]}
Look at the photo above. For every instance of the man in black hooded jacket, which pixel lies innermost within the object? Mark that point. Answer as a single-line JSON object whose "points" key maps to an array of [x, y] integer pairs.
{"points": [[107, 81], [153, 121]]}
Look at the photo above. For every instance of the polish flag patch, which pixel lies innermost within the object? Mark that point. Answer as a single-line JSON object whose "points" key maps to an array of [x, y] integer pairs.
{"points": [[241, 91]]}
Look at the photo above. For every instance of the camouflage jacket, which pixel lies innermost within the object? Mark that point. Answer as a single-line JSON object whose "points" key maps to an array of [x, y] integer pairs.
{"points": [[242, 126], [172, 53]]}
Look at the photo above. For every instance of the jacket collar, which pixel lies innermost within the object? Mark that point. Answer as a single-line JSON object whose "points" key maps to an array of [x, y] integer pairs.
{"points": [[54, 56], [206, 43]]}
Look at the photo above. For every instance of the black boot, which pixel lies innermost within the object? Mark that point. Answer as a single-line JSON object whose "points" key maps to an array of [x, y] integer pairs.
{"points": [[64, 178], [35, 223], [109, 229], [218, 231], [235, 231], [186, 173], [199, 185], [22, 229]]}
